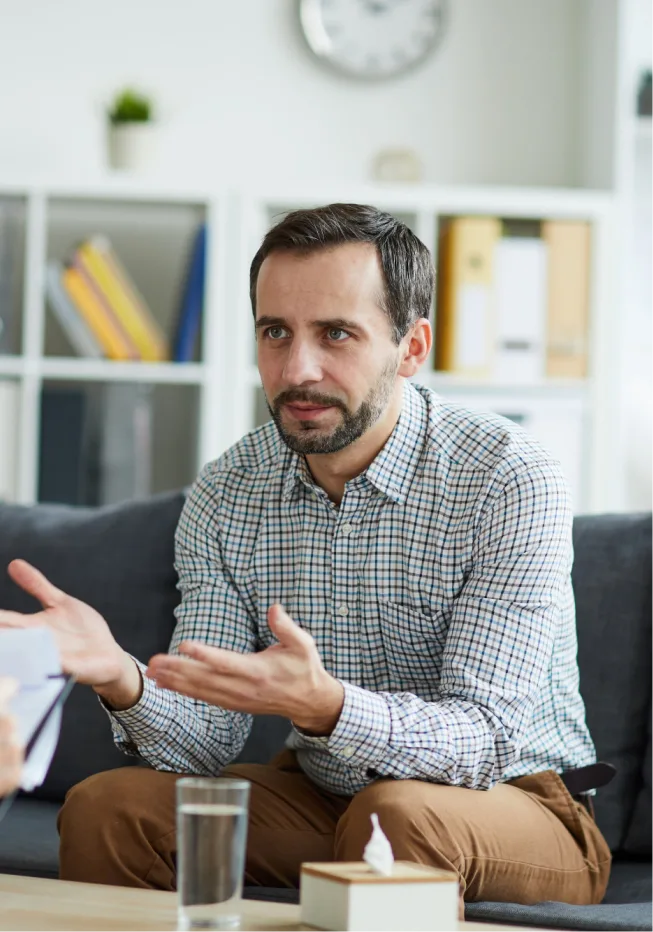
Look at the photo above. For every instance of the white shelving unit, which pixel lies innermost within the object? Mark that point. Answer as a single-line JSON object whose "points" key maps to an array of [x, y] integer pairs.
{"points": [[33, 365], [594, 479], [226, 378]]}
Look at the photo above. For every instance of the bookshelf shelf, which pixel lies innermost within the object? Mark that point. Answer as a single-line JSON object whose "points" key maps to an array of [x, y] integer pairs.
{"points": [[446, 383], [11, 366], [106, 371]]}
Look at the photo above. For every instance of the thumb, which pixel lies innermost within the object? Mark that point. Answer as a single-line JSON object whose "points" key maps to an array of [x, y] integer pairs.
{"points": [[8, 689], [32, 581], [285, 630]]}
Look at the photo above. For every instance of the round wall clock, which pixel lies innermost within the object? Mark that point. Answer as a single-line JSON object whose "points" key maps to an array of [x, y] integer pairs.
{"points": [[372, 39]]}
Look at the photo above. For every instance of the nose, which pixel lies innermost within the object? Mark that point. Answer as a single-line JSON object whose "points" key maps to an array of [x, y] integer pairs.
{"points": [[302, 363]]}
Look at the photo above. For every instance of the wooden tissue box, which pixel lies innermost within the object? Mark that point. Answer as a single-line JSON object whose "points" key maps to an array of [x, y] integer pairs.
{"points": [[352, 897]]}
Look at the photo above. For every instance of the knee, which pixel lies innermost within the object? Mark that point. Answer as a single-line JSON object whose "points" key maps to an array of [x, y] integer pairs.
{"points": [[414, 817], [389, 800], [105, 798]]}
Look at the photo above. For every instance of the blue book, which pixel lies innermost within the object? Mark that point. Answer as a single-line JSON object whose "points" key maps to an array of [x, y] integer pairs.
{"points": [[190, 315]]}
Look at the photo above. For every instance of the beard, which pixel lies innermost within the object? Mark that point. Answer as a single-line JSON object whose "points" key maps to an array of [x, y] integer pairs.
{"points": [[308, 438]]}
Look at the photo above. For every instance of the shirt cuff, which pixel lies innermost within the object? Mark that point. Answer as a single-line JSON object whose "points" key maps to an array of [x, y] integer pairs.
{"points": [[136, 722], [361, 736]]}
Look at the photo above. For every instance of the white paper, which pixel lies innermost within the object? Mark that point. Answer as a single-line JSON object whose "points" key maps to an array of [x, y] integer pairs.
{"points": [[31, 657]]}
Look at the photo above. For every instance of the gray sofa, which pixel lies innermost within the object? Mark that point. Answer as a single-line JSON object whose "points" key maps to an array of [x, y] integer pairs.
{"points": [[120, 559]]}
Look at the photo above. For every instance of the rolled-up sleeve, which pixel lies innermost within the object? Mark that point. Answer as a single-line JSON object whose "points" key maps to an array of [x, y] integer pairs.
{"points": [[174, 732]]}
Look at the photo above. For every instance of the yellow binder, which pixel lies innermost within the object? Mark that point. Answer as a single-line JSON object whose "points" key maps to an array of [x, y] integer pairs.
{"points": [[112, 279], [464, 320], [99, 318], [568, 244]]}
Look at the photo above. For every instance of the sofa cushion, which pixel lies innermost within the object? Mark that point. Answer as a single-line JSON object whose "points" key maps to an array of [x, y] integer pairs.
{"points": [[119, 559], [638, 838], [29, 843], [612, 585]]}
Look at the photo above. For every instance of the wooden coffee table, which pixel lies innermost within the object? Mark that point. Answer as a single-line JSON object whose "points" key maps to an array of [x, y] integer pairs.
{"points": [[34, 904]]}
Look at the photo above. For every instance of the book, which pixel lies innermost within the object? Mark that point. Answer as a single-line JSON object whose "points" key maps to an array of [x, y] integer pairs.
{"points": [[62, 449], [74, 325], [520, 296], [190, 314], [9, 421], [464, 340], [97, 314], [125, 454], [100, 263], [568, 242]]}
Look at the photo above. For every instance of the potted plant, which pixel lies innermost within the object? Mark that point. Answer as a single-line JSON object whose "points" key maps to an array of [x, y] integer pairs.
{"points": [[131, 131]]}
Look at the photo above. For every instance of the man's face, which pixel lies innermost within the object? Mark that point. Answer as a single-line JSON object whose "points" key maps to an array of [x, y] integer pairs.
{"points": [[325, 351]]}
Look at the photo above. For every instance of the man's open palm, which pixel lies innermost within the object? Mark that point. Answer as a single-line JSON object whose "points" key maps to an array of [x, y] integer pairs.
{"points": [[86, 646]]}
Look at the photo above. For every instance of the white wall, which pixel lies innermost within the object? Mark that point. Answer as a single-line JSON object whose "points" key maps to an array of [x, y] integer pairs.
{"points": [[242, 99]]}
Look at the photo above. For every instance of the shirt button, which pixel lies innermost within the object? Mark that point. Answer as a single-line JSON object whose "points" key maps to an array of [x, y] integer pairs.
{"points": [[346, 529], [343, 610], [348, 751]]}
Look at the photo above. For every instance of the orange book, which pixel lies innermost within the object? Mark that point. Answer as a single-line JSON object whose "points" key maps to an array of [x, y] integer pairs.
{"points": [[465, 313], [97, 316], [568, 243], [120, 293]]}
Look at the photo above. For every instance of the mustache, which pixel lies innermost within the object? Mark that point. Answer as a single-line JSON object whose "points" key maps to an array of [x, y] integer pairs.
{"points": [[301, 394]]}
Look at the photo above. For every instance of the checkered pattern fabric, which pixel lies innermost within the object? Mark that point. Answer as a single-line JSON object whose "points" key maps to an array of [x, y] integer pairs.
{"points": [[438, 592]]}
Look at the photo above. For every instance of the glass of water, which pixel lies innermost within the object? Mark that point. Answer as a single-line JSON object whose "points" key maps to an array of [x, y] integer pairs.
{"points": [[211, 842]]}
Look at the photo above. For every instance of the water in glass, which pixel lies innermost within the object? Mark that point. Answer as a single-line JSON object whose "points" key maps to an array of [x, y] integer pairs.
{"points": [[211, 848]]}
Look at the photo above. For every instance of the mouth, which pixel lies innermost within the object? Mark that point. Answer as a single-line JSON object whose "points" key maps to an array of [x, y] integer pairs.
{"points": [[306, 412]]}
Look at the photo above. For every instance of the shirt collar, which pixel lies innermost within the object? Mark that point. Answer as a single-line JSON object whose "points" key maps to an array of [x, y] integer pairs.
{"points": [[392, 470], [298, 471]]}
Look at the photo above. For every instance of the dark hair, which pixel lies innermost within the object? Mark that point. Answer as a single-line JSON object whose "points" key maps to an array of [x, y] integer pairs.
{"points": [[405, 261]]}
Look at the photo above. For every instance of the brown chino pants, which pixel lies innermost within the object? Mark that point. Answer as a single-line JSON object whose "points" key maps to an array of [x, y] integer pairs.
{"points": [[524, 841]]}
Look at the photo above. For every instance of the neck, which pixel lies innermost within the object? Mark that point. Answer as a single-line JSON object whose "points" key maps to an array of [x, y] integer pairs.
{"points": [[332, 471]]}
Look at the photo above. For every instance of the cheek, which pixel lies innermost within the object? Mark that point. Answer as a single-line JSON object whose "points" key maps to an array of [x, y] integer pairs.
{"points": [[270, 366]]}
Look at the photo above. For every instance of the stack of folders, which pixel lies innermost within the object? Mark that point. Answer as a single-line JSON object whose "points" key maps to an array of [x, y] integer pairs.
{"points": [[512, 299], [99, 307]]}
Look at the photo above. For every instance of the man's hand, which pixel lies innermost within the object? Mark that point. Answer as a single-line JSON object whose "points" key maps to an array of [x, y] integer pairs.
{"points": [[87, 648], [286, 679]]}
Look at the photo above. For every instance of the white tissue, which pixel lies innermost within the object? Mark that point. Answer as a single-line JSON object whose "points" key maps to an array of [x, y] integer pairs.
{"points": [[378, 851]]}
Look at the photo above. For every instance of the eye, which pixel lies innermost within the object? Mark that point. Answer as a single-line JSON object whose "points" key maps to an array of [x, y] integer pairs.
{"points": [[275, 333], [337, 335]]}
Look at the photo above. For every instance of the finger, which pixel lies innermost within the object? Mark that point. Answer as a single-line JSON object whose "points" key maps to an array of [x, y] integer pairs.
{"points": [[191, 678], [8, 689], [17, 620], [286, 631], [31, 580], [225, 662], [8, 732]]}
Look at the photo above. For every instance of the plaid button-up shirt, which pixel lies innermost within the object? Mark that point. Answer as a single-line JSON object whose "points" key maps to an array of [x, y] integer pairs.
{"points": [[438, 592]]}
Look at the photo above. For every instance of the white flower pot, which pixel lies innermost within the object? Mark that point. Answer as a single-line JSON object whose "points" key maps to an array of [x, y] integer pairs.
{"points": [[132, 146]]}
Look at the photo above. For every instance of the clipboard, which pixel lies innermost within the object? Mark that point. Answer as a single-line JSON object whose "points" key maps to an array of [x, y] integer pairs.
{"points": [[67, 683]]}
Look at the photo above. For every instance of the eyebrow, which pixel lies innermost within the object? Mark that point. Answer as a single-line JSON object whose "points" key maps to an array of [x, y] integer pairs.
{"points": [[335, 322]]}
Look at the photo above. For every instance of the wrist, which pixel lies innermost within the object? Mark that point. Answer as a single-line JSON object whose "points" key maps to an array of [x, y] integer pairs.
{"points": [[320, 717], [125, 691]]}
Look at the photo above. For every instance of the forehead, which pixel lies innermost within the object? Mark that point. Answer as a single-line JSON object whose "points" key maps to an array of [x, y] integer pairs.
{"points": [[342, 275]]}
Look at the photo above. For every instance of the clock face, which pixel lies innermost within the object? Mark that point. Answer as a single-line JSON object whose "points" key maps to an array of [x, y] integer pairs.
{"points": [[372, 38]]}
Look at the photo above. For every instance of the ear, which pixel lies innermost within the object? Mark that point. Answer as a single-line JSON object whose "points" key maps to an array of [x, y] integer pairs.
{"points": [[415, 347]]}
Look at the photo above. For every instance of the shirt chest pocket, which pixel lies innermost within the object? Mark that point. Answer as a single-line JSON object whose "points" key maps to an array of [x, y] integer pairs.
{"points": [[413, 644]]}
